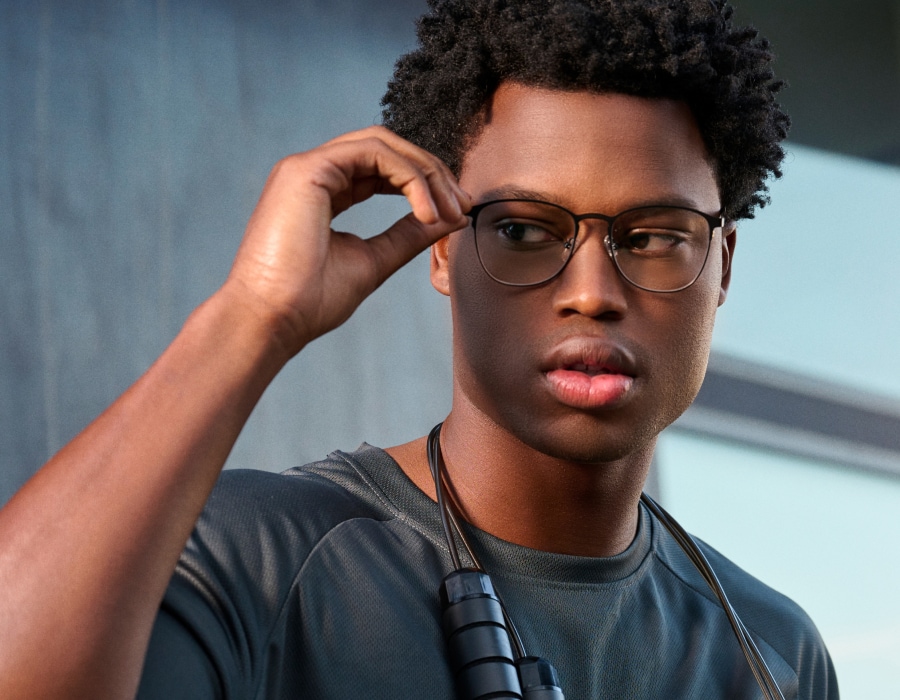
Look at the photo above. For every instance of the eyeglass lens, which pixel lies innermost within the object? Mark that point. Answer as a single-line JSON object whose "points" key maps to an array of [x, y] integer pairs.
{"points": [[522, 242]]}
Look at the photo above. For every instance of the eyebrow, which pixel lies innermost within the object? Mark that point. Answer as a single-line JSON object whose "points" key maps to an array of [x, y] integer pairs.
{"points": [[512, 192], [515, 193]]}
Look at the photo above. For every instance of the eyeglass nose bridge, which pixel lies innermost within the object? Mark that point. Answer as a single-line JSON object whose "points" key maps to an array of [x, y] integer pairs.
{"points": [[609, 245]]}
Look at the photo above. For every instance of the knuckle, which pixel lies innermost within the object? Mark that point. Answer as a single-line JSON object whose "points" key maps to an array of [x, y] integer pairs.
{"points": [[373, 141], [381, 131], [289, 165]]}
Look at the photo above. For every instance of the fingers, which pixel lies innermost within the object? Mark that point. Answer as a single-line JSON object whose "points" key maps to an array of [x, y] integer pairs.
{"points": [[404, 240], [399, 167], [307, 278], [378, 161]]}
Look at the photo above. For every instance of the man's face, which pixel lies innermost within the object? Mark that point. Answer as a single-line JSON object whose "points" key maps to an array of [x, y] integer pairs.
{"points": [[585, 367]]}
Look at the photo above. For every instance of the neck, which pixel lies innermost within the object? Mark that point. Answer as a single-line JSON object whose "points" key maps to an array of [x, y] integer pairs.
{"points": [[516, 493]]}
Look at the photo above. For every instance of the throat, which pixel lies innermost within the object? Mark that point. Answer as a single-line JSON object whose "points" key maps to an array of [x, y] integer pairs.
{"points": [[530, 499]]}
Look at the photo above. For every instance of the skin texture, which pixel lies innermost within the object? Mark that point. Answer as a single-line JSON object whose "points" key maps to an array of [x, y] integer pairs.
{"points": [[526, 464]]}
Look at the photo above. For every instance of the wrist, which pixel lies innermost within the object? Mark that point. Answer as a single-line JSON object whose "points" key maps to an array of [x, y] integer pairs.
{"points": [[246, 326]]}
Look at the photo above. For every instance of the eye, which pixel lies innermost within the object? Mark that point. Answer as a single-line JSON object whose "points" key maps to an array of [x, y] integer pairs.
{"points": [[526, 233], [655, 241]]}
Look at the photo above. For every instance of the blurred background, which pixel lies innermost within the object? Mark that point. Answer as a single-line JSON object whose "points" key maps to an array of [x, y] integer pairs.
{"points": [[135, 137]]}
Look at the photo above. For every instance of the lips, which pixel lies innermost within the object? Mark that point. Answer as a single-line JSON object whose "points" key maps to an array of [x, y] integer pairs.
{"points": [[589, 369], [590, 373]]}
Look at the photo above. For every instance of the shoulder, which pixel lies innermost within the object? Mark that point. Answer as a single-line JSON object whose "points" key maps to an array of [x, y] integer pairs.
{"points": [[772, 618], [258, 520], [258, 530], [243, 501], [240, 567]]}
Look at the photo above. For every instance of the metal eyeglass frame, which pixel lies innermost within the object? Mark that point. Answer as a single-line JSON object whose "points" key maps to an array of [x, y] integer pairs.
{"points": [[714, 221]]}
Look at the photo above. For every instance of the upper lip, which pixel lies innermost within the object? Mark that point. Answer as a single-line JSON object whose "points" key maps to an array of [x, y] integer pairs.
{"points": [[590, 354]]}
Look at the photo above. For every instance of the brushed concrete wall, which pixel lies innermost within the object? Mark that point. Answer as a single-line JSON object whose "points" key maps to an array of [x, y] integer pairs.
{"points": [[135, 139]]}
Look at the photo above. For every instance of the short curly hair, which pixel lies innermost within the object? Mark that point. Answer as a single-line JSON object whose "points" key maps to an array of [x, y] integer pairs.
{"points": [[679, 49]]}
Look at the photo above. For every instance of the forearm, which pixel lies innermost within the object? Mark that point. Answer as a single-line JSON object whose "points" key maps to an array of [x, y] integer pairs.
{"points": [[89, 544]]}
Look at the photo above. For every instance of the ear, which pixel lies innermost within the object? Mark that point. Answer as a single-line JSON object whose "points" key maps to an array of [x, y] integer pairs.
{"points": [[729, 240], [440, 265]]}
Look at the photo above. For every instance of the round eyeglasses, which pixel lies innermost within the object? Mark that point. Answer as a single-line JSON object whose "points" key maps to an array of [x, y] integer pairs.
{"points": [[526, 242]]}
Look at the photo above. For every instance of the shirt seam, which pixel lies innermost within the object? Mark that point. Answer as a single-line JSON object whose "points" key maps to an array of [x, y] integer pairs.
{"points": [[711, 598], [395, 509], [396, 515]]}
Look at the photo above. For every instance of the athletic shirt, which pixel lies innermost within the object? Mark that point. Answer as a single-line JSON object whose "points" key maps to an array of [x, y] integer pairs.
{"points": [[322, 583]]}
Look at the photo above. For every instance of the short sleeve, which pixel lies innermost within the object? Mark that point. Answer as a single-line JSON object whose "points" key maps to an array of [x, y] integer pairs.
{"points": [[177, 667]]}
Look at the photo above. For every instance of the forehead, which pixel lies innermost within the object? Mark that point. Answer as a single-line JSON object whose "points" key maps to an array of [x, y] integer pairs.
{"points": [[590, 152]]}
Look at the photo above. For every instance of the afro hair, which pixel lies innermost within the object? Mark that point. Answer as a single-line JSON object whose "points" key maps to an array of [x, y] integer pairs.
{"points": [[686, 50]]}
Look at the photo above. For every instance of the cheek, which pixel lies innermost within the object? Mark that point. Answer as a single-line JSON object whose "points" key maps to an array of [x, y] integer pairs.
{"points": [[489, 321], [691, 336], [470, 293]]}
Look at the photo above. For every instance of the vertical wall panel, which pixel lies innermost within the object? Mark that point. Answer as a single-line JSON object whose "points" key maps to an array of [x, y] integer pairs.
{"points": [[23, 425], [135, 140]]}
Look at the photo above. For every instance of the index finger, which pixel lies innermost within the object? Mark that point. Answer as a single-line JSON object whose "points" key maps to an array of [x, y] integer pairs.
{"points": [[449, 197]]}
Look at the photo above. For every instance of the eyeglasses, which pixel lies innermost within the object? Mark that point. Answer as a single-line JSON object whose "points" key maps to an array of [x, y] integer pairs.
{"points": [[525, 242]]}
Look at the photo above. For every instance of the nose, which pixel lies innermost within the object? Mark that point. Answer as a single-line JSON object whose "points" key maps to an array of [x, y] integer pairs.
{"points": [[590, 284]]}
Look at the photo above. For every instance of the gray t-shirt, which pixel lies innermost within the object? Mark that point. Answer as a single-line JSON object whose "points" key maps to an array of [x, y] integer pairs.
{"points": [[322, 583]]}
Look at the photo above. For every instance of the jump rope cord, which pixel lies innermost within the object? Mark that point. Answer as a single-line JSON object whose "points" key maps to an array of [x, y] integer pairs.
{"points": [[758, 666], [450, 518]]}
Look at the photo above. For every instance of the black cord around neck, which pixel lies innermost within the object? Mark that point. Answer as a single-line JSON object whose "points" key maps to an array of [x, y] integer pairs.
{"points": [[450, 517]]}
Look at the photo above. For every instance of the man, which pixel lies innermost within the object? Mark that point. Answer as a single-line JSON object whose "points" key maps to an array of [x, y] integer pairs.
{"points": [[603, 151]]}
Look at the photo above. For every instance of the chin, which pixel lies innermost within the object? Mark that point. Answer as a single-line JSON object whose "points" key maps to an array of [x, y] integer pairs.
{"points": [[585, 442]]}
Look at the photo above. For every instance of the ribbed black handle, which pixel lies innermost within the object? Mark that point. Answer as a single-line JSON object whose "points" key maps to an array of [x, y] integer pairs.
{"points": [[539, 679], [480, 654]]}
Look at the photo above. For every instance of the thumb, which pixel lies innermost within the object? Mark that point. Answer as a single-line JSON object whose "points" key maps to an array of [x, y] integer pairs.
{"points": [[405, 240]]}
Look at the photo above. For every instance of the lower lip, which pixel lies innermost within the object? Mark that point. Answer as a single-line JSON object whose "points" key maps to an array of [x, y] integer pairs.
{"points": [[581, 390]]}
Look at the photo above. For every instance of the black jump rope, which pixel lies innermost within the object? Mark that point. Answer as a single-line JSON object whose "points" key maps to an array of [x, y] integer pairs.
{"points": [[486, 653]]}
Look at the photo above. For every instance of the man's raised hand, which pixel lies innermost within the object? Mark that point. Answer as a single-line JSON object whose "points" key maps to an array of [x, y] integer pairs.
{"points": [[305, 278]]}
